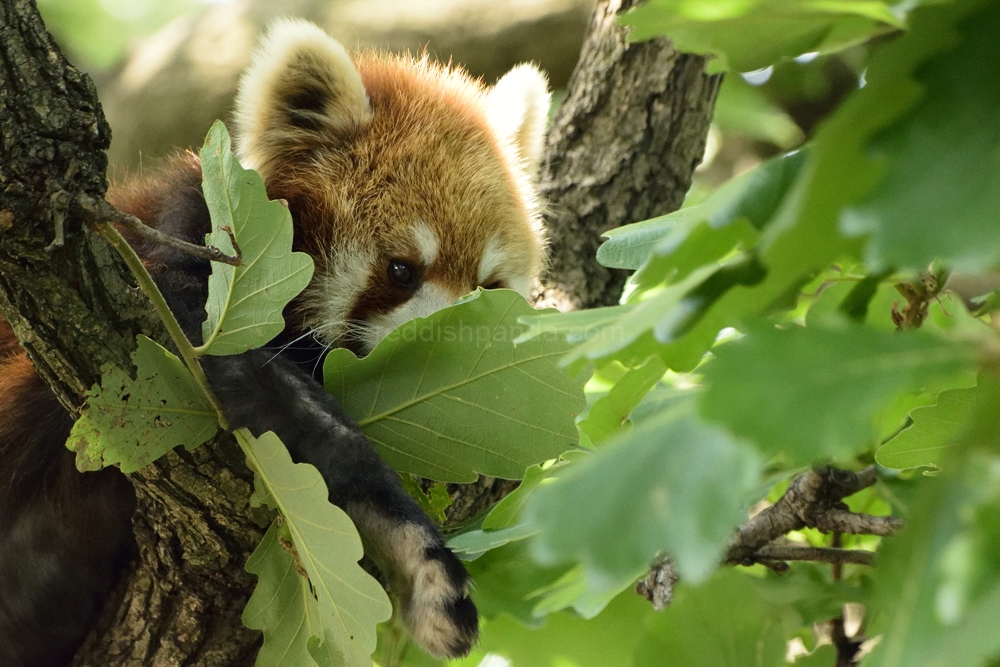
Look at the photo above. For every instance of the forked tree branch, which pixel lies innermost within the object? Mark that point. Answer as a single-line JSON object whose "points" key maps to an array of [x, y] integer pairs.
{"points": [[814, 499]]}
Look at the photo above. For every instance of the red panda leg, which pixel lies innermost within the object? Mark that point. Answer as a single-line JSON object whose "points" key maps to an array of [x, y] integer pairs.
{"points": [[267, 393]]}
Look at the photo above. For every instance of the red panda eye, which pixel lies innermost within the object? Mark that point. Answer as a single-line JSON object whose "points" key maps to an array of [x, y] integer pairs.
{"points": [[403, 274]]}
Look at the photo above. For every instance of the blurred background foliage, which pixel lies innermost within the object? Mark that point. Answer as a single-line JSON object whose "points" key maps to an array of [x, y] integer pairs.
{"points": [[166, 69]]}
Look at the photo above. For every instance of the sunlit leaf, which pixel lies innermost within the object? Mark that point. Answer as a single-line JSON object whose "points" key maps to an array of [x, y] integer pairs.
{"points": [[610, 412], [450, 395], [934, 428], [505, 513], [340, 604], [749, 35], [245, 302], [281, 603]]}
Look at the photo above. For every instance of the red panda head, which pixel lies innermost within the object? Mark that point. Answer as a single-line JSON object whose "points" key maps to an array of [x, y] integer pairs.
{"points": [[410, 183]]}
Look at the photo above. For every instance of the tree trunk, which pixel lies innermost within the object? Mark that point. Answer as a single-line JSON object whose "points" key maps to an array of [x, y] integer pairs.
{"points": [[622, 148], [74, 306]]}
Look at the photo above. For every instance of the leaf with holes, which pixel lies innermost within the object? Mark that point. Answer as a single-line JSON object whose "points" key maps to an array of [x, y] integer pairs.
{"points": [[331, 615], [450, 395], [131, 423], [245, 302], [280, 602]]}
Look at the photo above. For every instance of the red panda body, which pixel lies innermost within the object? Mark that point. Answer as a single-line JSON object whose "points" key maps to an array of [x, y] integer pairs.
{"points": [[409, 184]]}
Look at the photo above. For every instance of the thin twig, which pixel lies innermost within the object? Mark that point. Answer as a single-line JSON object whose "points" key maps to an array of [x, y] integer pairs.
{"points": [[98, 211], [785, 552]]}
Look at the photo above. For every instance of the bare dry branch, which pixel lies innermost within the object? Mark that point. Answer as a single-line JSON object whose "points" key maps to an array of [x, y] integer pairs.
{"points": [[813, 500], [99, 210], [786, 552]]}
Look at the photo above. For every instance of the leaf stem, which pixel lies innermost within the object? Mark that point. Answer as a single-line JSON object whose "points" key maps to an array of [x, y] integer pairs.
{"points": [[148, 285]]}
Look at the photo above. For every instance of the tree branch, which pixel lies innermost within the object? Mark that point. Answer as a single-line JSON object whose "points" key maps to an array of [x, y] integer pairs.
{"points": [[784, 552], [97, 211], [813, 500], [622, 148]]}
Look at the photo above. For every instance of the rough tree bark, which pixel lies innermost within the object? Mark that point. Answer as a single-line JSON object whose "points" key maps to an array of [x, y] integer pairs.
{"points": [[75, 307], [623, 148]]}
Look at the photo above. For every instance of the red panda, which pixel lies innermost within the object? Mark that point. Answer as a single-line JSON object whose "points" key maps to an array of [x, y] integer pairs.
{"points": [[410, 185]]}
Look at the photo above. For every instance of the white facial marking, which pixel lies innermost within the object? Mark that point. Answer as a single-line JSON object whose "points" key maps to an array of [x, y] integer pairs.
{"points": [[427, 242], [335, 291], [493, 257], [430, 298]]}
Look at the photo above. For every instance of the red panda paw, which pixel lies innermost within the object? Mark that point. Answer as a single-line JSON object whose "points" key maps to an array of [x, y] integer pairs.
{"points": [[438, 612]]}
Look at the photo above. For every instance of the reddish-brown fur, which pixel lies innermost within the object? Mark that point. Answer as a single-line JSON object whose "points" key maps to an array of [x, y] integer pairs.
{"points": [[427, 154]]}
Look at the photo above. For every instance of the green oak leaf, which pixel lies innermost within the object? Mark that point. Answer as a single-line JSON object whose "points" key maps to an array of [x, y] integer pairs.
{"points": [[934, 429], [935, 597], [804, 236], [729, 218], [474, 543], [506, 512], [281, 604], [749, 35], [131, 423], [340, 604], [939, 194], [672, 246], [451, 395], [245, 302], [813, 393], [575, 326], [656, 317], [673, 484], [629, 246], [609, 414]]}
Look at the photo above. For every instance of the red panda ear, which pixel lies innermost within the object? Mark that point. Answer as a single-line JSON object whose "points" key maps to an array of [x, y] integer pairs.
{"points": [[518, 111], [300, 86]]}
